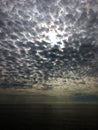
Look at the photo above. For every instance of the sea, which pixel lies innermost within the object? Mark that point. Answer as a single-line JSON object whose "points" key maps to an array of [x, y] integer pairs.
{"points": [[49, 116]]}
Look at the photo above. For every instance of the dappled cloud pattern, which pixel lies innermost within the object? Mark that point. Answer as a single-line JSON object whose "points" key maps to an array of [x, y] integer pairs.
{"points": [[49, 46]]}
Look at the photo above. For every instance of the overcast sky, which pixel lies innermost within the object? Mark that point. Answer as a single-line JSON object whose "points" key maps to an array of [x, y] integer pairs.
{"points": [[49, 47]]}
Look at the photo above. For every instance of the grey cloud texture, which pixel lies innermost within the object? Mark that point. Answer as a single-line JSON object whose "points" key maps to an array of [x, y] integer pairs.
{"points": [[43, 40]]}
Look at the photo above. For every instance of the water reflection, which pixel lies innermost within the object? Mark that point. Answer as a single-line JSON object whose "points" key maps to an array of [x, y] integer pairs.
{"points": [[50, 116]]}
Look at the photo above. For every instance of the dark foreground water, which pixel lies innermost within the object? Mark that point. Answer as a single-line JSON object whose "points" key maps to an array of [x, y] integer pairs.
{"points": [[49, 116]]}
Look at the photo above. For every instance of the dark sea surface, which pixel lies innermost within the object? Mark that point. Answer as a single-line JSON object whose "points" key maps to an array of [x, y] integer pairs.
{"points": [[49, 116]]}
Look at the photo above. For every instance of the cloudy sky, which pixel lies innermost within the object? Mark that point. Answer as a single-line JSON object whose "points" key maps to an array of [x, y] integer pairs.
{"points": [[49, 47]]}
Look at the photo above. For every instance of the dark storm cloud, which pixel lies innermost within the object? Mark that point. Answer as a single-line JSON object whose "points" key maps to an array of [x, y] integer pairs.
{"points": [[85, 97], [22, 98], [27, 57]]}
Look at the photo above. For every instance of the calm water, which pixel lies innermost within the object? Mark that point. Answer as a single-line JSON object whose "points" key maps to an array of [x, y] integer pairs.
{"points": [[49, 116]]}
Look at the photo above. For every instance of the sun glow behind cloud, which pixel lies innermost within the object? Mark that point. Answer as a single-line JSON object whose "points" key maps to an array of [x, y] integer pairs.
{"points": [[53, 37], [32, 56]]}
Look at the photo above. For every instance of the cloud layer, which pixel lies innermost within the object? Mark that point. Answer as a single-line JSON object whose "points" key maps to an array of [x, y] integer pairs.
{"points": [[43, 40]]}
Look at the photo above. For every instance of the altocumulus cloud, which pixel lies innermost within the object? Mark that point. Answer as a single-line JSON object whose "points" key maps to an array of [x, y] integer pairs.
{"points": [[49, 46]]}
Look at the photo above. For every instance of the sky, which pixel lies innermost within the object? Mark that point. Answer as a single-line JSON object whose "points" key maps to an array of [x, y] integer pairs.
{"points": [[49, 47]]}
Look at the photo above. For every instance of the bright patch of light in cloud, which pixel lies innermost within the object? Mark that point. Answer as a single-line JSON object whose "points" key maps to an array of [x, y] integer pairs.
{"points": [[52, 36]]}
